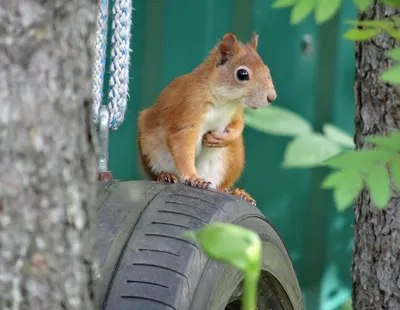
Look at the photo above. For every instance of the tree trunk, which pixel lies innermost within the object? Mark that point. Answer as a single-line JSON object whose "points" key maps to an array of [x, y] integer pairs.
{"points": [[47, 153], [376, 255]]}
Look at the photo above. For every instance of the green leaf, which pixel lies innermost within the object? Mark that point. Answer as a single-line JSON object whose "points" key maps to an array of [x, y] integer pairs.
{"points": [[363, 4], [396, 20], [356, 34], [343, 198], [231, 244], [283, 3], [394, 54], [337, 135], [378, 183], [390, 142], [326, 9], [388, 26], [392, 75], [395, 170], [277, 121], [333, 179], [394, 33], [347, 185], [392, 3], [301, 10], [309, 150], [371, 23], [360, 160]]}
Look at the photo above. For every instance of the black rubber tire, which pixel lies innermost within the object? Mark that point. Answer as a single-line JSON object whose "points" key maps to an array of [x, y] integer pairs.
{"points": [[146, 264]]}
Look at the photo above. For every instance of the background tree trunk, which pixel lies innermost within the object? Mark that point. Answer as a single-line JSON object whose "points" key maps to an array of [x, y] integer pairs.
{"points": [[376, 255], [47, 155]]}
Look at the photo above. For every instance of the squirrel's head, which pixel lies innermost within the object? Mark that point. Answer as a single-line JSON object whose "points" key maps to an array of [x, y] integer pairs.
{"points": [[240, 74]]}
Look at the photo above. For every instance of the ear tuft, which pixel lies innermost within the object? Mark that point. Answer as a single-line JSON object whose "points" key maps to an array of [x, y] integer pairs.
{"points": [[254, 40], [226, 48], [229, 38]]}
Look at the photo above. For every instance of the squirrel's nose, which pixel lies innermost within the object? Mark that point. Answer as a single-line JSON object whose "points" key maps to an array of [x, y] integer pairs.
{"points": [[271, 96]]}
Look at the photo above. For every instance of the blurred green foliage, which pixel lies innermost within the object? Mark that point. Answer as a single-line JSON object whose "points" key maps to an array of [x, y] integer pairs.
{"points": [[308, 148], [355, 169], [237, 246]]}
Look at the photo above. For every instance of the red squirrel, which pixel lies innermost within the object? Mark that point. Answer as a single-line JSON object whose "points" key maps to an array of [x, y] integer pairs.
{"points": [[193, 132]]}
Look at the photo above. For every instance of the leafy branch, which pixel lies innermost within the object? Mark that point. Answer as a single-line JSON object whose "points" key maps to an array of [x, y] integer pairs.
{"points": [[323, 10], [308, 148], [362, 30], [366, 30], [365, 168], [354, 169]]}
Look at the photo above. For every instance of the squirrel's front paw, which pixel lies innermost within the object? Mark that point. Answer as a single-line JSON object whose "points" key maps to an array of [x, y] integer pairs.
{"points": [[167, 177], [197, 182], [216, 139], [242, 194]]}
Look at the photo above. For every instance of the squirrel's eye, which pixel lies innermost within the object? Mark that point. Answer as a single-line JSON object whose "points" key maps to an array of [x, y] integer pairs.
{"points": [[242, 75]]}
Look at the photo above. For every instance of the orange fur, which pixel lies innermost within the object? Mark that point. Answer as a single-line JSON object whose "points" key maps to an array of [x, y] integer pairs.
{"points": [[194, 129]]}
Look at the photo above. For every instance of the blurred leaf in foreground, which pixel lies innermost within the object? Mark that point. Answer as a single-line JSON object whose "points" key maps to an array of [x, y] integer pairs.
{"points": [[309, 150], [392, 3], [363, 4], [394, 54], [360, 160], [277, 121], [378, 183], [392, 75], [356, 34], [301, 10], [395, 170], [326, 9], [388, 25], [390, 142], [337, 135], [283, 3], [235, 245], [347, 184]]}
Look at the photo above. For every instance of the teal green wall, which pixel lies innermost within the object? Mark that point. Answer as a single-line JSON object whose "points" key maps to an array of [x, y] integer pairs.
{"points": [[172, 37]]}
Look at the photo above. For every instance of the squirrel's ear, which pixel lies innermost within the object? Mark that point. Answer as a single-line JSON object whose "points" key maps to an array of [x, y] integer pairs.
{"points": [[226, 48], [254, 40]]}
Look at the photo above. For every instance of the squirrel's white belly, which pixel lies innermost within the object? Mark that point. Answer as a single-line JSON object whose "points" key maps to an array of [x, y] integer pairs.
{"points": [[210, 162], [216, 119]]}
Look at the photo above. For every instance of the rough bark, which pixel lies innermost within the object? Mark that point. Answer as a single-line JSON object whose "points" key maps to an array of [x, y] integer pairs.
{"points": [[47, 154], [376, 255]]}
